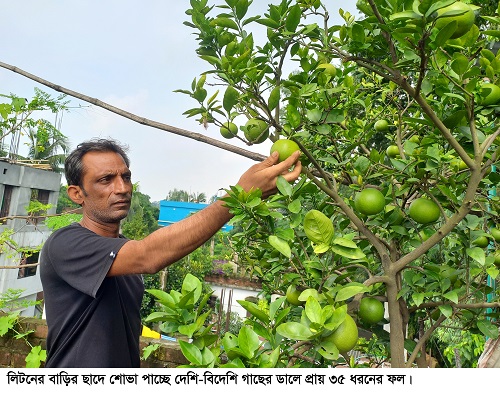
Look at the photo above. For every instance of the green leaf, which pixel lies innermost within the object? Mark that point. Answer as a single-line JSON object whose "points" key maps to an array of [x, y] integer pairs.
{"points": [[477, 254], [248, 341], [280, 245], [405, 15], [254, 310], [445, 33], [349, 291], [313, 310], [489, 329], [187, 330], [271, 23], [231, 97], [418, 298], [460, 63], [293, 116], [274, 98], [224, 22], [293, 18], [318, 227], [284, 187], [191, 352], [294, 331], [492, 33], [452, 296]]}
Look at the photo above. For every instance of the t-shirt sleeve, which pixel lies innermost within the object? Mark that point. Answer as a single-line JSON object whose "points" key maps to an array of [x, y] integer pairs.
{"points": [[82, 258]]}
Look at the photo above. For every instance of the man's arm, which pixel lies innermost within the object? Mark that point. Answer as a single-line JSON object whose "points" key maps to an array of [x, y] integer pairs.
{"points": [[169, 244]]}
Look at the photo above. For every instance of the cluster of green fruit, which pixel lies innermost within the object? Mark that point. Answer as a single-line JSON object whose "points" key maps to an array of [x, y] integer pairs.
{"points": [[484, 241], [370, 312], [255, 130], [371, 201]]}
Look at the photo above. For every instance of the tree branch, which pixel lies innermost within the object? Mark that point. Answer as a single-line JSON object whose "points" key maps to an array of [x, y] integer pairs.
{"points": [[141, 120]]}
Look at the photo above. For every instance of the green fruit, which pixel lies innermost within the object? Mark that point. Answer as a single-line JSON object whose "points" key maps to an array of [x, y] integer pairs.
{"points": [[464, 21], [381, 125], [497, 258], [256, 131], [490, 94], [229, 130], [292, 295], [424, 211], [371, 310], [369, 201], [415, 139], [345, 337], [481, 241], [495, 233], [285, 148], [392, 151]]}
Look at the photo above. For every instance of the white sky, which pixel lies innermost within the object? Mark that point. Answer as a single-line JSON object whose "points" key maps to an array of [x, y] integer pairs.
{"points": [[131, 54]]}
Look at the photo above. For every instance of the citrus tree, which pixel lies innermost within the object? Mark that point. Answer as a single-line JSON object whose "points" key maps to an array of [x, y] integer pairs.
{"points": [[399, 226]]}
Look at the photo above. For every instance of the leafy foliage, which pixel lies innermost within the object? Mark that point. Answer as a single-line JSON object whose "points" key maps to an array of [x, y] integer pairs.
{"points": [[391, 63]]}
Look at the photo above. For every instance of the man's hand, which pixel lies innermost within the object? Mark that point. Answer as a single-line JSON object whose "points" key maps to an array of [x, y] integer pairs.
{"points": [[264, 175]]}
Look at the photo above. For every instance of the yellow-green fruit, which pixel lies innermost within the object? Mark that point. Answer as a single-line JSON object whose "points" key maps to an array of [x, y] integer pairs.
{"points": [[369, 201], [392, 151], [292, 295], [464, 21], [415, 139], [495, 233], [381, 125], [481, 242], [229, 130], [345, 337], [371, 310], [285, 148], [256, 131], [490, 94], [424, 211], [497, 258]]}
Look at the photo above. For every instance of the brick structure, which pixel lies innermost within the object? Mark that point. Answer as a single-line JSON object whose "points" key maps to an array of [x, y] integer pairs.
{"points": [[14, 351]]}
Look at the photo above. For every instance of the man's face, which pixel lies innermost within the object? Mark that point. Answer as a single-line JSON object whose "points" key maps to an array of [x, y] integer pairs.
{"points": [[107, 187]]}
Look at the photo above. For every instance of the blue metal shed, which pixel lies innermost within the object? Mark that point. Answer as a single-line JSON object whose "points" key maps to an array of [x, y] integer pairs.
{"points": [[174, 211]]}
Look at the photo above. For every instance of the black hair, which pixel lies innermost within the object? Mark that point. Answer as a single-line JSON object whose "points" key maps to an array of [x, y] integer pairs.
{"points": [[73, 166]]}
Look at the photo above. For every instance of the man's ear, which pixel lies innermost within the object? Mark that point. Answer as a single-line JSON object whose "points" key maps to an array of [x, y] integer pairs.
{"points": [[75, 194]]}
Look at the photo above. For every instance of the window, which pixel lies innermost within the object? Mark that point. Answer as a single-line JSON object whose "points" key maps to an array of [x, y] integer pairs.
{"points": [[28, 258], [42, 196], [5, 207]]}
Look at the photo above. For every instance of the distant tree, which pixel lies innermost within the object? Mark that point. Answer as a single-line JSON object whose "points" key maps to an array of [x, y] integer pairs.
{"points": [[46, 142]]}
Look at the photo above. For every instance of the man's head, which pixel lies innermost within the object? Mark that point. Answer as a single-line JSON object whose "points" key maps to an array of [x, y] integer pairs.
{"points": [[99, 179], [73, 166]]}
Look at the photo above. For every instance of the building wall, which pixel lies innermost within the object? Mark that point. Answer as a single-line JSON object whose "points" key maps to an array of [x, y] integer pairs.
{"points": [[27, 234], [14, 351]]}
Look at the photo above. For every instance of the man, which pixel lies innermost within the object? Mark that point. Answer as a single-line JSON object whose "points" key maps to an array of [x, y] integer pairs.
{"points": [[91, 275]]}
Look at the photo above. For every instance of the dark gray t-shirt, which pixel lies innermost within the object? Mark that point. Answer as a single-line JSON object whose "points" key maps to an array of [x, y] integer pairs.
{"points": [[93, 320]]}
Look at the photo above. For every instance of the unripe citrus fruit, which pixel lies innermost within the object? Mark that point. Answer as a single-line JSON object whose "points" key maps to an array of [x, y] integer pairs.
{"points": [[256, 131], [464, 21], [392, 151], [424, 211], [481, 241], [292, 295], [371, 310], [369, 201], [381, 125], [497, 258], [490, 94], [495, 233], [345, 336], [285, 148], [229, 130]]}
